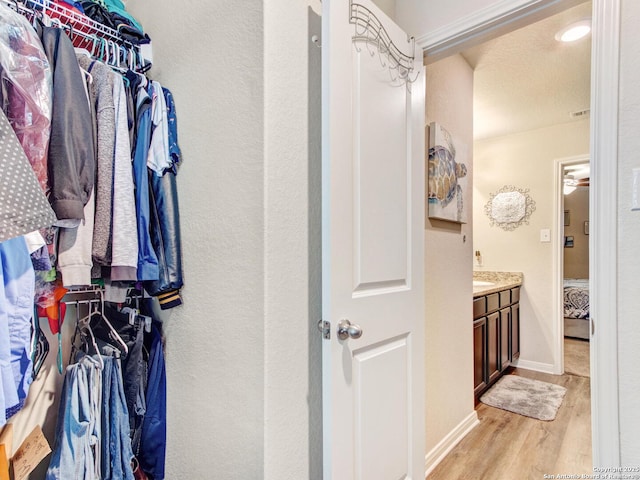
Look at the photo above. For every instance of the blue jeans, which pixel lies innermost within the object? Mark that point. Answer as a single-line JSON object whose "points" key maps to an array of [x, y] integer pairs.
{"points": [[92, 433], [153, 441], [116, 447], [77, 445], [134, 365]]}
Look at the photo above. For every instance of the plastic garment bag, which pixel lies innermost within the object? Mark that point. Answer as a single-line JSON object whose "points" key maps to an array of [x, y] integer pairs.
{"points": [[25, 88]]}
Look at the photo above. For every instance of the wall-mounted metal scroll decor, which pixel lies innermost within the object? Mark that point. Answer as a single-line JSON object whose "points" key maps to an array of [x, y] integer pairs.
{"points": [[510, 207], [370, 31]]}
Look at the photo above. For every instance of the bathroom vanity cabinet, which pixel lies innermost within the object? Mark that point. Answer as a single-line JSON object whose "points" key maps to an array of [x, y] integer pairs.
{"points": [[496, 334]]}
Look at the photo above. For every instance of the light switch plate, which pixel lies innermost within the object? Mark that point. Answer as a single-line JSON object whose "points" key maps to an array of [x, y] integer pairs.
{"points": [[545, 235]]}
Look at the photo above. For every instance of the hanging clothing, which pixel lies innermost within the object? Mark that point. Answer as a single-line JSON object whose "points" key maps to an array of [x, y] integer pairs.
{"points": [[172, 123], [130, 327], [101, 94], [102, 158], [25, 89], [76, 453], [24, 207], [165, 237], [153, 439], [117, 453], [71, 159], [124, 260], [75, 244], [112, 13], [75, 6], [164, 156], [158, 159], [147, 258], [16, 312], [74, 249]]}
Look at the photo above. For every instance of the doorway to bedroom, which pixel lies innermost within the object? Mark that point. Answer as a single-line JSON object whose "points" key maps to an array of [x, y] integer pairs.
{"points": [[575, 266]]}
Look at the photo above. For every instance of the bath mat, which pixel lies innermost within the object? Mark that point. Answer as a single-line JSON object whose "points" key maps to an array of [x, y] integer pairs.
{"points": [[524, 396]]}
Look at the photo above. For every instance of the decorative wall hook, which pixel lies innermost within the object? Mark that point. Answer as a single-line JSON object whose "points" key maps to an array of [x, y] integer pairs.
{"points": [[370, 31]]}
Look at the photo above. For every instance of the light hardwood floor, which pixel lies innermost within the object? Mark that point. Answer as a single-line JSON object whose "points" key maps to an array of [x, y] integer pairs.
{"points": [[576, 357], [507, 446]]}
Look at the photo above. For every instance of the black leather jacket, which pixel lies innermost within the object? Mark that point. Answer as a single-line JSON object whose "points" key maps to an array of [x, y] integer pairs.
{"points": [[165, 236]]}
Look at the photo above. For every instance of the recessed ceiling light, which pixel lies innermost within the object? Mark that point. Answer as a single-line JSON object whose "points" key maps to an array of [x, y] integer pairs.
{"points": [[575, 31]]}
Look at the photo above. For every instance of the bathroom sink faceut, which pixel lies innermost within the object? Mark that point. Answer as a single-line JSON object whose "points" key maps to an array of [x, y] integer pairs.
{"points": [[480, 283]]}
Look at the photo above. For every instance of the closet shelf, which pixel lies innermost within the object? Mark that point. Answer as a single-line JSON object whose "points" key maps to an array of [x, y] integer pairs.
{"points": [[84, 32], [95, 293]]}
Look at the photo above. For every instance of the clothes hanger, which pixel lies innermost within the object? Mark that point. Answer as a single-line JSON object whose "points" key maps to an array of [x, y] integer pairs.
{"points": [[113, 333], [115, 54], [131, 58], [90, 55], [40, 346], [83, 327], [96, 310]]}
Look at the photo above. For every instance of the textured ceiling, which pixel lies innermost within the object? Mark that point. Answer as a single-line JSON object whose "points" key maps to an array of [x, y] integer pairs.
{"points": [[527, 79]]}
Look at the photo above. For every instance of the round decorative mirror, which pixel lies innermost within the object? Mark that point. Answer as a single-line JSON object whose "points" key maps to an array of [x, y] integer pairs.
{"points": [[510, 207]]}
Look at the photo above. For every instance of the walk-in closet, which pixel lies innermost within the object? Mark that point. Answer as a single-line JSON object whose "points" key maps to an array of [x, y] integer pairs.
{"points": [[90, 243]]}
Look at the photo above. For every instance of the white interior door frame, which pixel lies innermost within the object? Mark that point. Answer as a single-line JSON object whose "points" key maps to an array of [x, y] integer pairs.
{"points": [[558, 257], [603, 242], [603, 246]]}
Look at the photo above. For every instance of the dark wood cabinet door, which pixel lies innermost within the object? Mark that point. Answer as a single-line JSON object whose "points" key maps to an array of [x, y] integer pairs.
{"points": [[493, 344], [514, 324], [496, 336], [479, 355], [505, 348]]}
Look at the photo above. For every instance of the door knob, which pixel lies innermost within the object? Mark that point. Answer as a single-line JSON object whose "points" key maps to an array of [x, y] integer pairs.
{"points": [[347, 329]]}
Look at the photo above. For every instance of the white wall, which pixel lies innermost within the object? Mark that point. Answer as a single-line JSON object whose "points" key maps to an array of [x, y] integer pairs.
{"points": [[448, 265], [525, 160], [242, 368], [210, 57], [629, 238], [292, 112]]}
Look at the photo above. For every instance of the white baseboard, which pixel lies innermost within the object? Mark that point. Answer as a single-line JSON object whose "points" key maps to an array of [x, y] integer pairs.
{"points": [[536, 366], [435, 456]]}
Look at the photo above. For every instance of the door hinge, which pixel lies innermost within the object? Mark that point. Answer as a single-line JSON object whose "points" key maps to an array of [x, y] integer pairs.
{"points": [[325, 329]]}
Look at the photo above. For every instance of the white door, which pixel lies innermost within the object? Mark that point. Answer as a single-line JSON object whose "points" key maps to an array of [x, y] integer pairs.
{"points": [[373, 230]]}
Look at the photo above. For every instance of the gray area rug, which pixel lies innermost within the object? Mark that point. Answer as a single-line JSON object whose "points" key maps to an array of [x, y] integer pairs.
{"points": [[531, 398]]}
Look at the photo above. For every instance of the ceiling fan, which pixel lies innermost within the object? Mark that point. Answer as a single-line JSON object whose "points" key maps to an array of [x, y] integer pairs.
{"points": [[571, 183], [576, 176], [576, 182]]}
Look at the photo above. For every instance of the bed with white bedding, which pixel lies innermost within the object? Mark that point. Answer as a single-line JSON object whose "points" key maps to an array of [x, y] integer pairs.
{"points": [[576, 307]]}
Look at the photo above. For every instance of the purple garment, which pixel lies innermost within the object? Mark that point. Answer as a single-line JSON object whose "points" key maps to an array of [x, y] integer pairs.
{"points": [[26, 86]]}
